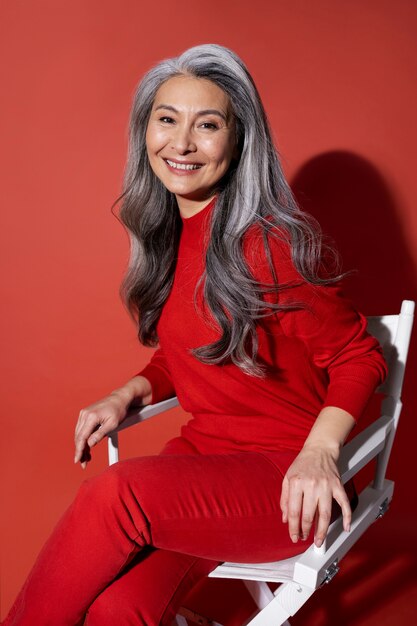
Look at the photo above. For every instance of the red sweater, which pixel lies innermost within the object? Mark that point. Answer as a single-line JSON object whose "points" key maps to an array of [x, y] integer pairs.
{"points": [[315, 357]]}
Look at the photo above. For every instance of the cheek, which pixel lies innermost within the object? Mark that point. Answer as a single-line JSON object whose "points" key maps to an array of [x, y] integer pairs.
{"points": [[155, 140], [151, 150], [219, 151]]}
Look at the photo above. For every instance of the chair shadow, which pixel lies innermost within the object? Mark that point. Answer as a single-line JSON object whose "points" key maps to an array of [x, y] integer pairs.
{"points": [[356, 208]]}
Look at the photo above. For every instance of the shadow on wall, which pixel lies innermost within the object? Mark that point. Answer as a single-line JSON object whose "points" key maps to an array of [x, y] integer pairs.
{"points": [[356, 209]]}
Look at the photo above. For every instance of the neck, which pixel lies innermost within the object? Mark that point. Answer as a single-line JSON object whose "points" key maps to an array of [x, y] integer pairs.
{"points": [[188, 207]]}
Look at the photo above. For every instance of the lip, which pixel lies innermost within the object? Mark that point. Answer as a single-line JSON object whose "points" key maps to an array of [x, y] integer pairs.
{"points": [[182, 169]]}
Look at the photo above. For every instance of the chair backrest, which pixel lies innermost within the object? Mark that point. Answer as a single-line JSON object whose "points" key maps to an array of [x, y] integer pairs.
{"points": [[393, 333]]}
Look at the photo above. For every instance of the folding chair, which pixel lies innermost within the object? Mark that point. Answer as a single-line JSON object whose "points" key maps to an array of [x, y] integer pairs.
{"points": [[303, 574]]}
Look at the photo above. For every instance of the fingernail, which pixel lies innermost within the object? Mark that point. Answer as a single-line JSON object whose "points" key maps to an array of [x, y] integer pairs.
{"points": [[294, 538], [348, 528], [83, 464], [304, 537], [318, 542]]}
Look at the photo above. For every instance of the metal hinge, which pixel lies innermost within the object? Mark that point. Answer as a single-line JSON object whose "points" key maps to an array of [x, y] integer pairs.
{"points": [[330, 572], [383, 508]]}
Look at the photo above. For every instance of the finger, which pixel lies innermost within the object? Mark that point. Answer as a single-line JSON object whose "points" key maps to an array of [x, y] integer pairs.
{"points": [[79, 447], [284, 500], [295, 502], [101, 431], [80, 444], [81, 441], [87, 428], [308, 514], [96, 436], [343, 501], [80, 422], [84, 456], [324, 513]]}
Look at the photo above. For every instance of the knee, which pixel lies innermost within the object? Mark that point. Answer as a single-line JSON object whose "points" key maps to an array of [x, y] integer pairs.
{"points": [[110, 498], [102, 490]]}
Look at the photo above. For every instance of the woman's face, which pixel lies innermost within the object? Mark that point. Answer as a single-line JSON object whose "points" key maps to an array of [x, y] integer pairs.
{"points": [[191, 139]]}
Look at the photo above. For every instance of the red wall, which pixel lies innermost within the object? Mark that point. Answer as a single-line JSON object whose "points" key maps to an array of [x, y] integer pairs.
{"points": [[338, 81]]}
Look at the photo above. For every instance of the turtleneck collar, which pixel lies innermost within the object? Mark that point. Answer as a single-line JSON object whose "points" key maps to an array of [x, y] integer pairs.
{"points": [[195, 221]]}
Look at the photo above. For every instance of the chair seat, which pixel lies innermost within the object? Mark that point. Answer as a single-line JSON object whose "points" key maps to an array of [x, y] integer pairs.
{"points": [[311, 568], [275, 571]]}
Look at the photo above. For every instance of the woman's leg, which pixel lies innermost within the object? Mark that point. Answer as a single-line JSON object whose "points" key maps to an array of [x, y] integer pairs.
{"points": [[150, 590], [217, 507]]}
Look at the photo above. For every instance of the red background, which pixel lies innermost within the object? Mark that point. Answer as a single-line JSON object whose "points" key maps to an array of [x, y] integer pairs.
{"points": [[339, 83]]}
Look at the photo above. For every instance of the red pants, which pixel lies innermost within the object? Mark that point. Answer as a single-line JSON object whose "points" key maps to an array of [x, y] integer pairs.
{"points": [[140, 535]]}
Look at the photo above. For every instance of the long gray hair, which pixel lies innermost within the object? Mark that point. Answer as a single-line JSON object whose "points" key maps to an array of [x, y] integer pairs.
{"points": [[253, 192]]}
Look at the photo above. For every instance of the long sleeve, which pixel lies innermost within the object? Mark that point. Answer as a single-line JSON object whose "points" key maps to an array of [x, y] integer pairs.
{"points": [[333, 332], [337, 341], [158, 374]]}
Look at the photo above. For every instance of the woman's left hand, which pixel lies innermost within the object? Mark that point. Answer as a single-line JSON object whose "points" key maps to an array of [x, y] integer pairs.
{"points": [[308, 489]]}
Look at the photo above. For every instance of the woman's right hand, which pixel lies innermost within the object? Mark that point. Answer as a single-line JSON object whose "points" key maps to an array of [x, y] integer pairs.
{"points": [[100, 418]]}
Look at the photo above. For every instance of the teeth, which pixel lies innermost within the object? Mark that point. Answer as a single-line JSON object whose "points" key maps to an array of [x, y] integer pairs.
{"points": [[182, 166]]}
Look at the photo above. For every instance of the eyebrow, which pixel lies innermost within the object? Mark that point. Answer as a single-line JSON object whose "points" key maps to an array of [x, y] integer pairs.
{"points": [[203, 112]]}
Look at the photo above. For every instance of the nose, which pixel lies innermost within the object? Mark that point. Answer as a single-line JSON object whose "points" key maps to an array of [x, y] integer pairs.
{"points": [[183, 141]]}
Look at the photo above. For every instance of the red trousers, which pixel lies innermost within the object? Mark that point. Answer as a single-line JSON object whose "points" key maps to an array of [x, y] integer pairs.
{"points": [[140, 535]]}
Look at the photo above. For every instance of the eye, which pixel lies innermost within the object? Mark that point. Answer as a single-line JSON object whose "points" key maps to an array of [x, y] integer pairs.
{"points": [[166, 119], [209, 125]]}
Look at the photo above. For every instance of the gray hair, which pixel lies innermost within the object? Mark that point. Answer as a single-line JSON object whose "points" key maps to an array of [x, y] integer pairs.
{"points": [[253, 192]]}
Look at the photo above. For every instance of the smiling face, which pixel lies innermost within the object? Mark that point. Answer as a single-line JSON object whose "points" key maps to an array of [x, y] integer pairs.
{"points": [[190, 139]]}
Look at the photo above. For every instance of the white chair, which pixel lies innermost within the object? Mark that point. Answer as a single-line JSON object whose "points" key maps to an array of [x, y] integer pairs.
{"points": [[302, 575]]}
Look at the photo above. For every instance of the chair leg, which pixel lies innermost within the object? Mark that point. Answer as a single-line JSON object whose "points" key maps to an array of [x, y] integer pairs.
{"points": [[260, 592], [288, 599], [261, 595]]}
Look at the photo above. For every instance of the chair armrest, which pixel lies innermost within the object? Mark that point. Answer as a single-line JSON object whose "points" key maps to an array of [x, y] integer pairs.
{"points": [[364, 447], [140, 414], [135, 416]]}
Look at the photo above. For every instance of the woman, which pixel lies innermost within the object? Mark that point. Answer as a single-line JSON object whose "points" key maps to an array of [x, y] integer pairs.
{"points": [[256, 340]]}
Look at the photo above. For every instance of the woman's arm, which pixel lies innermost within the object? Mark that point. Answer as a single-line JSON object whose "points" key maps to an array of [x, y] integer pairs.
{"points": [[313, 480], [149, 386], [335, 339], [100, 418]]}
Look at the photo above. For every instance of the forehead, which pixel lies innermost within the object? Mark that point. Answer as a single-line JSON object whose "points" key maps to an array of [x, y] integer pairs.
{"points": [[193, 93]]}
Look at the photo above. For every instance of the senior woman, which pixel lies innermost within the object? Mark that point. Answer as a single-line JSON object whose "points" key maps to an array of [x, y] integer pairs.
{"points": [[255, 338]]}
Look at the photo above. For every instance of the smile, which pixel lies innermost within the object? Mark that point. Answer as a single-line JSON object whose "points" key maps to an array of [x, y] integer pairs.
{"points": [[183, 166]]}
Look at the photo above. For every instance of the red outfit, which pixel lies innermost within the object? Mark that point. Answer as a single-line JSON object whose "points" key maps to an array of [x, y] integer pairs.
{"points": [[141, 534], [317, 356]]}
